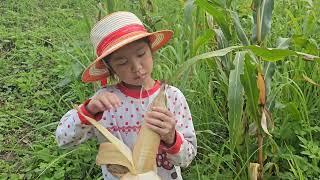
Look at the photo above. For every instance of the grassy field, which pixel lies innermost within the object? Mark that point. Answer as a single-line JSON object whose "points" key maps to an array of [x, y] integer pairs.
{"points": [[44, 47]]}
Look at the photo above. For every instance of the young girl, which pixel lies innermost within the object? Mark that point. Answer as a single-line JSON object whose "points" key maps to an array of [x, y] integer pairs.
{"points": [[124, 49]]}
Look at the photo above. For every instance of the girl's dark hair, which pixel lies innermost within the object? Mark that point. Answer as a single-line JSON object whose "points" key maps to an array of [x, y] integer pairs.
{"points": [[107, 58]]}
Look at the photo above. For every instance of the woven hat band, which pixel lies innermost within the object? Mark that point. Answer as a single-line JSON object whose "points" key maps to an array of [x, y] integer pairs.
{"points": [[118, 34]]}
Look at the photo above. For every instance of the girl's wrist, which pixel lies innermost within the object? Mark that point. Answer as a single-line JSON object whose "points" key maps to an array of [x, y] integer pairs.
{"points": [[86, 111], [171, 141], [89, 109], [88, 106]]}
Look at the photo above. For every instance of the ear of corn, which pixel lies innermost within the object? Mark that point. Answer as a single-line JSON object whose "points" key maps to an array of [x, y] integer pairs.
{"points": [[147, 144], [118, 157]]}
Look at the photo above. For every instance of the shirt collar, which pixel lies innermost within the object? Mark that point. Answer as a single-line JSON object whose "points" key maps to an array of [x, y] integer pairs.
{"points": [[135, 93]]}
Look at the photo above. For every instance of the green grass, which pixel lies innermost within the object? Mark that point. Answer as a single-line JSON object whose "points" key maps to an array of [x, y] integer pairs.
{"points": [[44, 47]]}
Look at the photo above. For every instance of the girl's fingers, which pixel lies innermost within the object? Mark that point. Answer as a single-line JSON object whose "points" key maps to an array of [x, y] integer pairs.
{"points": [[110, 100], [115, 100], [106, 102], [156, 122], [158, 130], [162, 110], [166, 129], [161, 116], [99, 106]]}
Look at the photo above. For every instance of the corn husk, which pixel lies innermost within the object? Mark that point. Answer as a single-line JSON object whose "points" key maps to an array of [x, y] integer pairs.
{"points": [[147, 144], [117, 164], [117, 144], [120, 161]]}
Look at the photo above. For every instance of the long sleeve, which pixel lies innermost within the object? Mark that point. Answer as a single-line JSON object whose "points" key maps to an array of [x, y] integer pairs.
{"points": [[185, 148], [71, 131]]}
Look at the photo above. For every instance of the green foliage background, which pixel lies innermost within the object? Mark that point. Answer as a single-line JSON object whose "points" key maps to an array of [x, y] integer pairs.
{"points": [[44, 46]]}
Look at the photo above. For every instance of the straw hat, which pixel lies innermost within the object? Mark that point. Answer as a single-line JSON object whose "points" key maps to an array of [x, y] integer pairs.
{"points": [[113, 32]]}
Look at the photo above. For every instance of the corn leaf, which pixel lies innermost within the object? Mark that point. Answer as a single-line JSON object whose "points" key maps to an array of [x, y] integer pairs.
{"points": [[276, 54], [240, 32], [268, 70], [202, 40], [218, 13], [283, 43], [235, 101], [262, 19], [186, 65], [187, 14], [271, 55], [269, 67], [222, 42], [110, 6], [248, 80]]}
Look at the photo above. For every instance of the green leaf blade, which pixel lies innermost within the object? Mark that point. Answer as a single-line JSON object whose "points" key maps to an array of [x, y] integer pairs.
{"points": [[262, 19], [248, 80], [235, 101], [218, 13]]}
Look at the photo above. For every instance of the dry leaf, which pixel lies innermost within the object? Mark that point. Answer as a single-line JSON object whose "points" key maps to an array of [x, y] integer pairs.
{"points": [[269, 119], [262, 89], [310, 80], [264, 124]]}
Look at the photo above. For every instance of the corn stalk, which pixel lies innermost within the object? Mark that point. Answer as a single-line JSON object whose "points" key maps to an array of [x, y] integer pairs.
{"points": [[262, 13]]}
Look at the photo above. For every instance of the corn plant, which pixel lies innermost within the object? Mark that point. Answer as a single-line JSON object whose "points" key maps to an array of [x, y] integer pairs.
{"points": [[249, 77]]}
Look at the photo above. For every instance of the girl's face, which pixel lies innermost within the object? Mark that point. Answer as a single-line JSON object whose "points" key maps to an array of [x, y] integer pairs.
{"points": [[133, 63]]}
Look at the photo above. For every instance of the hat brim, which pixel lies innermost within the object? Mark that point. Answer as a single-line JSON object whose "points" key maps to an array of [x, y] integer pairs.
{"points": [[97, 70]]}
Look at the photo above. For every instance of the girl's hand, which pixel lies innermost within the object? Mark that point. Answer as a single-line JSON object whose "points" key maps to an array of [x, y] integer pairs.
{"points": [[162, 121], [103, 101]]}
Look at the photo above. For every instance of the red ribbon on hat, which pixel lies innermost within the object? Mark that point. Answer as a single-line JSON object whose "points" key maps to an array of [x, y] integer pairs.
{"points": [[105, 42]]}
